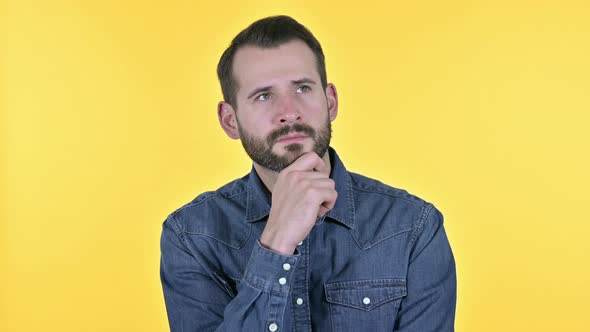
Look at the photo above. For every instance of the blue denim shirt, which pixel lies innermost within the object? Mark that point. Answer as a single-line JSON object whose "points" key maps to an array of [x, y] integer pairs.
{"points": [[378, 261]]}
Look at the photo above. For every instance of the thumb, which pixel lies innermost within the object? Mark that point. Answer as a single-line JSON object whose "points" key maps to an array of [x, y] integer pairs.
{"points": [[322, 211]]}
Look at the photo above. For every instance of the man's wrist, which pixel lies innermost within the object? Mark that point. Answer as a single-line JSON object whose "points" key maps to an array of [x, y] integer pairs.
{"points": [[269, 271], [273, 243]]}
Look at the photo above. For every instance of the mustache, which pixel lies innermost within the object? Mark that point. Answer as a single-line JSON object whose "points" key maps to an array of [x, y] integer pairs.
{"points": [[296, 128]]}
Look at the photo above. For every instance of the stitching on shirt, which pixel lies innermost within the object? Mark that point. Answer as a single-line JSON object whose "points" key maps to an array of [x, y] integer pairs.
{"points": [[425, 213], [420, 226], [307, 260], [249, 204], [385, 238], [197, 201], [363, 245], [177, 228], [253, 285], [331, 316], [199, 264], [409, 197], [351, 200], [345, 284], [235, 194], [240, 184], [238, 246], [205, 197], [353, 234]]}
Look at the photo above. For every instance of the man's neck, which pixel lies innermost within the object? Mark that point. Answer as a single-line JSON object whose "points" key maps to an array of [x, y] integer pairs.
{"points": [[269, 177]]}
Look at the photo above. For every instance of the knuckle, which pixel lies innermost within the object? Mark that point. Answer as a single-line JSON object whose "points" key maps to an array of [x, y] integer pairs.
{"points": [[312, 192], [305, 183], [295, 175]]}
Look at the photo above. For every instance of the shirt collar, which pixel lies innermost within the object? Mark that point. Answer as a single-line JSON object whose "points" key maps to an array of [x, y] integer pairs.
{"points": [[259, 199]]}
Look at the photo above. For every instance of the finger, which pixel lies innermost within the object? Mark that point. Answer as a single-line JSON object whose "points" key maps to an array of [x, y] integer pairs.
{"points": [[309, 175], [322, 211], [308, 162], [327, 197], [323, 183], [330, 202], [323, 167]]}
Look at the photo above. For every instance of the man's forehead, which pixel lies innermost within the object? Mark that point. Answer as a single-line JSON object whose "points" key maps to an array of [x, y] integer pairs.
{"points": [[289, 61]]}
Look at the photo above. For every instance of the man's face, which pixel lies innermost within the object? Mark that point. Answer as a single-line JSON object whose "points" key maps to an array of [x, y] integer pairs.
{"points": [[282, 109]]}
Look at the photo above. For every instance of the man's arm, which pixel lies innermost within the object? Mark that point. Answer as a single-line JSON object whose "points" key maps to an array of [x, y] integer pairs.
{"points": [[197, 300], [431, 281]]}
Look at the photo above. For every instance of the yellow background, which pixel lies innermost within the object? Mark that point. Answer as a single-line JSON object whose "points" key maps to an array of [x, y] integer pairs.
{"points": [[108, 124]]}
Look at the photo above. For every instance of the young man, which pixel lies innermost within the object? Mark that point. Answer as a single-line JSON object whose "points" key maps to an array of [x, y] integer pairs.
{"points": [[300, 243]]}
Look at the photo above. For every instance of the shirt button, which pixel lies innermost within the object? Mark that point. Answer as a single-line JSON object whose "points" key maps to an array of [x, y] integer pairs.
{"points": [[273, 327], [282, 281], [299, 301], [366, 300], [300, 243], [286, 266]]}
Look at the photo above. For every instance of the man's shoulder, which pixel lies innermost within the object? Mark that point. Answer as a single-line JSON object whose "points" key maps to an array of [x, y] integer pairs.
{"points": [[365, 185], [209, 212], [210, 198], [383, 211]]}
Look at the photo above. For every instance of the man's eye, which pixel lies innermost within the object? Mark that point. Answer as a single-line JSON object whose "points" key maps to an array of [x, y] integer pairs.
{"points": [[303, 88], [263, 96]]}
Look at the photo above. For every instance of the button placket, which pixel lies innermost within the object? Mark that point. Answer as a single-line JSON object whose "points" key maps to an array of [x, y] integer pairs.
{"points": [[300, 302]]}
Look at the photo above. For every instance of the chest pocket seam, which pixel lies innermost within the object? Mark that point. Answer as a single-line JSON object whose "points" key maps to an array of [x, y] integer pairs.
{"points": [[365, 294]]}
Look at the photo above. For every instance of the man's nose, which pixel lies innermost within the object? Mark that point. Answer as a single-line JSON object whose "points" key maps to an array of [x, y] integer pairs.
{"points": [[289, 111]]}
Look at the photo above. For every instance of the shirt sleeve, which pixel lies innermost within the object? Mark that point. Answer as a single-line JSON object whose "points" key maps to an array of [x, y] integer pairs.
{"points": [[198, 300], [431, 281]]}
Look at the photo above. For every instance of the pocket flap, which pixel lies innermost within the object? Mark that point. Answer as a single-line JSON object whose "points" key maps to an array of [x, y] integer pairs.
{"points": [[365, 294]]}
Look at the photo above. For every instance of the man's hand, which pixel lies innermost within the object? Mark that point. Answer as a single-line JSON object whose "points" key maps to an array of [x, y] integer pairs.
{"points": [[302, 193]]}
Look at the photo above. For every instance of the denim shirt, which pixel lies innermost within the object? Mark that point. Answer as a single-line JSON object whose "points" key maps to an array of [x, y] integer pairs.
{"points": [[378, 261]]}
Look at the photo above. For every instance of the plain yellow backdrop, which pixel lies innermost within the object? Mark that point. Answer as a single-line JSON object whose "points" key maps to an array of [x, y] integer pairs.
{"points": [[108, 124]]}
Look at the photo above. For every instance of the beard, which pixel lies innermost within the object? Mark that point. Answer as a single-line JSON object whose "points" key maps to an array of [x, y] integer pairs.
{"points": [[260, 150]]}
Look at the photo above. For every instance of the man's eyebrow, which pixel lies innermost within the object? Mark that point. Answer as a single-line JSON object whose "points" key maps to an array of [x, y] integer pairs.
{"points": [[294, 82], [303, 80]]}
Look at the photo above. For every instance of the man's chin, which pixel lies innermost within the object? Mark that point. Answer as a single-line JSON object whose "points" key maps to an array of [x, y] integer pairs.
{"points": [[296, 148], [291, 151]]}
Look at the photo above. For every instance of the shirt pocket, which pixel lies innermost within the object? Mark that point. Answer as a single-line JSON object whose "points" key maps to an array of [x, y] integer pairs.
{"points": [[371, 305]]}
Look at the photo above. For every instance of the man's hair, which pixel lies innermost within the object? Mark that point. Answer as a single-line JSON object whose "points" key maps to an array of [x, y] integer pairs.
{"points": [[268, 32]]}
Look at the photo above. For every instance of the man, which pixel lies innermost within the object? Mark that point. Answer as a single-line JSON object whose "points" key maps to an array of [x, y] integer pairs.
{"points": [[300, 243]]}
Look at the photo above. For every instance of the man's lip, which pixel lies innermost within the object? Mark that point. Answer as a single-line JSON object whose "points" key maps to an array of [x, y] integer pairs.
{"points": [[289, 137]]}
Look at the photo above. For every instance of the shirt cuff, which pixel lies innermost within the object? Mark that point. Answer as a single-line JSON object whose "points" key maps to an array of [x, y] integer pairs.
{"points": [[270, 271]]}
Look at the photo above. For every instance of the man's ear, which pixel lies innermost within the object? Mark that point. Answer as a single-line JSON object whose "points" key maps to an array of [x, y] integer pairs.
{"points": [[332, 97], [227, 119]]}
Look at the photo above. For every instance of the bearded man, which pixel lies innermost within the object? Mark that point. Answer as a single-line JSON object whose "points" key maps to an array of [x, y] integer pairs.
{"points": [[300, 243]]}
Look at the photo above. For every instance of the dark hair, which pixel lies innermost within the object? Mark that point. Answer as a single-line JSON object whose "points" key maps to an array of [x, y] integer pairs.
{"points": [[268, 32]]}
